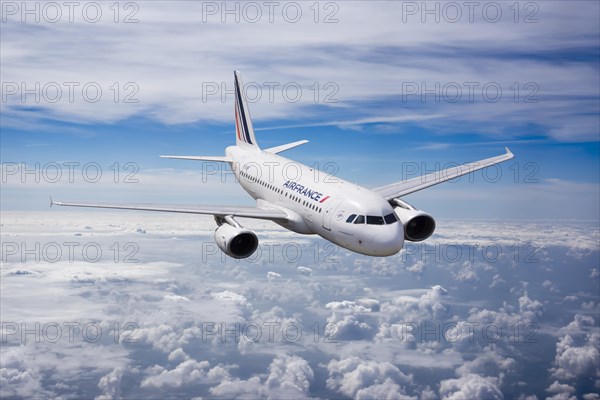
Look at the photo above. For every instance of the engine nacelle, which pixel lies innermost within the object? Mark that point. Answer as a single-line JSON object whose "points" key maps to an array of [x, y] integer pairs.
{"points": [[236, 241], [418, 225]]}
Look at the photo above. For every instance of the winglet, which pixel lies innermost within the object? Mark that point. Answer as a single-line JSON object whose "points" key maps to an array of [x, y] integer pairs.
{"points": [[55, 203], [508, 152]]}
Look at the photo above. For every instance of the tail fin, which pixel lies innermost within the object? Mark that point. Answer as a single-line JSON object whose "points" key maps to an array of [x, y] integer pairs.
{"points": [[243, 122]]}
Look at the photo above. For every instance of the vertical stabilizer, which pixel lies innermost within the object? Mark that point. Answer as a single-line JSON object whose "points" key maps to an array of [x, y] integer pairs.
{"points": [[243, 123]]}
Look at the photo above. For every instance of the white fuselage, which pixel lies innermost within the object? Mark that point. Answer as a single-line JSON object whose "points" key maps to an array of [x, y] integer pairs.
{"points": [[317, 203]]}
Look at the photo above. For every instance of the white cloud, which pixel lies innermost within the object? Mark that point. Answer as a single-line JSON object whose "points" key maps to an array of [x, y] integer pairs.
{"points": [[579, 324], [46, 369], [172, 337], [591, 396], [470, 386], [497, 280], [417, 267], [531, 238], [547, 284], [188, 372], [178, 355], [488, 363], [273, 275], [306, 52], [467, 273], [288, 377], [588, 305], [17, 377], [530, 308], [557, 387], [352, 375], [561, 396], [388, 390], [572, 361], [304, 270], [110, 384]]}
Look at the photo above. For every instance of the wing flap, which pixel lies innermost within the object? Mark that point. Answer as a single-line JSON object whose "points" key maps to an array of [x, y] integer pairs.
{"points": [[235, 211], [403, 188]]}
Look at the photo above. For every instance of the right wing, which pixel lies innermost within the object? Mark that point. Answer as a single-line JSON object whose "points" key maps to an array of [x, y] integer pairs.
{"points": [[234, 211], [403, 188]]}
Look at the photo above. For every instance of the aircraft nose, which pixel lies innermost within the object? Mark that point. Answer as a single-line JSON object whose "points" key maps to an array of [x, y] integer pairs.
{"points": [[389, 240]]}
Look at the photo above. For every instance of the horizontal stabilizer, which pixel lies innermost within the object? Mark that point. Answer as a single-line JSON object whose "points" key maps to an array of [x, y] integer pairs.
{"points": [[201, 158], [284, 147]]}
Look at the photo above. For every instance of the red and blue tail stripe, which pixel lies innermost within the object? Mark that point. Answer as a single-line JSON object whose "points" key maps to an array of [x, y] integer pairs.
{"points": [[243, 123]]}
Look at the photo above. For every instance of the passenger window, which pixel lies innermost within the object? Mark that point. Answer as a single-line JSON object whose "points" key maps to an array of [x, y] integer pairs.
{"points": [[351, 218], [360, 219], [390, 218], [374, 220]]}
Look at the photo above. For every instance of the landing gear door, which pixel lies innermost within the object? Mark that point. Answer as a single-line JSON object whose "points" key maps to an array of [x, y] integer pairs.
{"points": [[329, 211]]}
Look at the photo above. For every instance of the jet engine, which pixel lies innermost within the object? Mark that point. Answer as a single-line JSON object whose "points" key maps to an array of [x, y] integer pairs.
{"points": [[235, 240], [418, 225]]}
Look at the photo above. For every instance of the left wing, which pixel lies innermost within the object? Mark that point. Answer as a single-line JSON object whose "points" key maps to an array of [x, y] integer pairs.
{"points": [[234, 211], [403, 188]]}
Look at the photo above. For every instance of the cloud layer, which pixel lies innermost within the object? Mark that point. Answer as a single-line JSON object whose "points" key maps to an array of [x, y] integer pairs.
{"points": [[161, 312]]}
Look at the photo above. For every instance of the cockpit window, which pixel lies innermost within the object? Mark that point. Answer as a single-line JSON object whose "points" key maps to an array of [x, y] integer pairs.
{"points": [[372, 219], [375, 220], [390, 218]]}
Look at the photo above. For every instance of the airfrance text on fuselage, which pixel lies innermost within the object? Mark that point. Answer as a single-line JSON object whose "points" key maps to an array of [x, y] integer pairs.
{"points": [[301, 189]]}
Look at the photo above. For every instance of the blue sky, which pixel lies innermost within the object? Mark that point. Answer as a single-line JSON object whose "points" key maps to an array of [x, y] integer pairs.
{"points": [[384, 117]]}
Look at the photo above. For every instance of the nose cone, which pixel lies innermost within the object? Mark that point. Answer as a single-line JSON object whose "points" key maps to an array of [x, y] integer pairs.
{"points": [[388, 240]]}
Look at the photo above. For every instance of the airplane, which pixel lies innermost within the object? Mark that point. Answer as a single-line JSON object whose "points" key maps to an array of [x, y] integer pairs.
{"points": [[373, 222]]}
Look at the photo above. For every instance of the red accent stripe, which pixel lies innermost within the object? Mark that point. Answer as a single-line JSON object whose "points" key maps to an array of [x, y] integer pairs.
{"points": [[237, 125], [324, 199]]}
